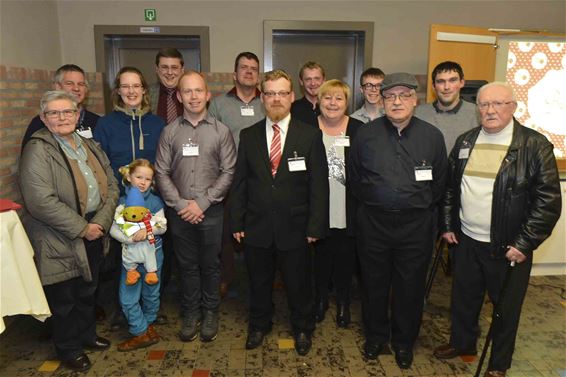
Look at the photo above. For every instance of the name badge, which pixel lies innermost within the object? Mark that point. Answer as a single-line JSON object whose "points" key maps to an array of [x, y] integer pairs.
{"points": [[342, 141], [86, 133], [247, 111], [423, 173], [297, 163], [190, 149], [464, 153]]}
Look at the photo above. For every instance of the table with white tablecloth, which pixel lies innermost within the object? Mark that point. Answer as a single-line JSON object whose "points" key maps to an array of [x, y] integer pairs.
{"points": [[20, 288]]}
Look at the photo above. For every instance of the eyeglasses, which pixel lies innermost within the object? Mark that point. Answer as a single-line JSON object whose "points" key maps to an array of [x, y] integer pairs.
{"points": [[56, 114], [167, 68], [132, 86], [369, 86], [282, 94], [497, 105], [402, 97]]}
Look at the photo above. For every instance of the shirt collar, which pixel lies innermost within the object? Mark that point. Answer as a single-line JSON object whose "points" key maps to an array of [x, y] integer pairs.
{"points": [[283, 123], [233, 92], [208, 119], [454, 110], [164, 89]]}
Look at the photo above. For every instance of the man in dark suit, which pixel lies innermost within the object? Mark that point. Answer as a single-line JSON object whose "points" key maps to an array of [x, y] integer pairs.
{"points": [[279, 204]]}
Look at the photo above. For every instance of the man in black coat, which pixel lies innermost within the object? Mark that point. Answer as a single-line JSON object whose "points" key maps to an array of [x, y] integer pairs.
{"points": [[279, 204]]}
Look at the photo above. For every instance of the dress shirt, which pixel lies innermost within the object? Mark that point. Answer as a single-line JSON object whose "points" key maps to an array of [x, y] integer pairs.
{"points": [[205, 178], [303, 110], [383, 162], [283, 126]]}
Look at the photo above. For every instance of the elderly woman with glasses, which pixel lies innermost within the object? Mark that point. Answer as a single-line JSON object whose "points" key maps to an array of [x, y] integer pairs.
{"points": [[335, 255], [70, 192]]}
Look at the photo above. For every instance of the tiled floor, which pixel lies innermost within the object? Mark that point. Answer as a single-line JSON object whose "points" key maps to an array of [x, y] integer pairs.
{"points": [[541, 345]]}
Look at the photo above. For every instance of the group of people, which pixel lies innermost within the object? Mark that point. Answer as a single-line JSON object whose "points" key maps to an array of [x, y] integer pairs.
{"points": [[304, 187]]}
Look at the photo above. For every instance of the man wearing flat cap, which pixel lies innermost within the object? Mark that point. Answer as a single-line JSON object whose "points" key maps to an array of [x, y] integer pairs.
{"points": [[397, 171]]}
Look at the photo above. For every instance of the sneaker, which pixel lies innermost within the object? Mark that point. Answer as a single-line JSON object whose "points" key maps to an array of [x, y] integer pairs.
{"points": [[209, 328], [151, 278], [132, 277], [189, 328]]}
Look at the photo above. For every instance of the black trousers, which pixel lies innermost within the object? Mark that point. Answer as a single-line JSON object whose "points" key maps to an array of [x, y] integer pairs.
{"points": [[475, 272], [394, 250], [197, 249], [334, 258], [72, 306], [294, 267]]}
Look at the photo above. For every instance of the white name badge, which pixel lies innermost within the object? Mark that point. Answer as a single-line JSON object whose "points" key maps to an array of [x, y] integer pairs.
{"points": [[464, 153], [342, 141], [86, 133], [423, 173], [247, 111], [190, 150], [297, 164]]}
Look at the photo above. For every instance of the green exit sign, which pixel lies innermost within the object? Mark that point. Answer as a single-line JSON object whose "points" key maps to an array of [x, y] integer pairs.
{"points": [[150, 14]]}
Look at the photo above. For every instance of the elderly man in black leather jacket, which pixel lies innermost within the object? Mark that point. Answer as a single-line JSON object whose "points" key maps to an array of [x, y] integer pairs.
{"points": [[502, 201]]}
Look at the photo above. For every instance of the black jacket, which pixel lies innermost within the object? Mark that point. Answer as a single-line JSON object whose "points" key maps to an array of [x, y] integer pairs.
{"points": [[285, 209], [526, 193]]}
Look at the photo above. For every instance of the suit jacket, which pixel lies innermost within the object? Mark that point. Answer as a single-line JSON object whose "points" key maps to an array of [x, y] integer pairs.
{"points": [[280, 211]]}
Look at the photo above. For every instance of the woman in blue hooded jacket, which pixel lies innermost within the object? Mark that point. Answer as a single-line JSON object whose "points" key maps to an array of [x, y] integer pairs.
{"points": [[131, 131]]}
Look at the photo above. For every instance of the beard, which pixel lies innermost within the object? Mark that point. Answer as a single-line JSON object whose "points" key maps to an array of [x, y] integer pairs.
{"points": [[277, 113]]}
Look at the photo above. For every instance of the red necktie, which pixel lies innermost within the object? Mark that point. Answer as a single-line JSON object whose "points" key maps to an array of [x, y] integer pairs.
{"points": [[171, 106], [275, 151]]}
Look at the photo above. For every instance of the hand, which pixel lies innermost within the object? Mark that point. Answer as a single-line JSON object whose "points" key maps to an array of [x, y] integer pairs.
{"points": [[514, 255], [140, 235], [191, 213], [312, 239], [93, 232], [239, 236], [450, 237]]}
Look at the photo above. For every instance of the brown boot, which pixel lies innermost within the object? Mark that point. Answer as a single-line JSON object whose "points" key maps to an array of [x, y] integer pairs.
{"points": [[132, 277], [151, 278], [137, 342], [153, 333]]}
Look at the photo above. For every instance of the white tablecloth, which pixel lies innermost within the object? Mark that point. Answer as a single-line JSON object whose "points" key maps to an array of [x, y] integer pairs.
{"points": [[20, 288]]}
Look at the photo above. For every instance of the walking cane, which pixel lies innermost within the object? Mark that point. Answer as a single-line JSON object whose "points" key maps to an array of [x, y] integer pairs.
{"points": [[434, 268], [495, 317]]}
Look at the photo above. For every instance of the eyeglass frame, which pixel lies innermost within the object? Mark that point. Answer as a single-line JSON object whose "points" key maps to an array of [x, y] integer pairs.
{"points": [[56, 114], [391, 98], [281, 93]]}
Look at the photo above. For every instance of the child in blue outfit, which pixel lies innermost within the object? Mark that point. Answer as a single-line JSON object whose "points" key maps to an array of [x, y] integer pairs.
{"points": [[140, 301]]}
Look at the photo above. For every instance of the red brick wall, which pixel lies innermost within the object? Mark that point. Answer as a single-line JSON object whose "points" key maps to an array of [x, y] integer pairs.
{"points": [[20, 92]]}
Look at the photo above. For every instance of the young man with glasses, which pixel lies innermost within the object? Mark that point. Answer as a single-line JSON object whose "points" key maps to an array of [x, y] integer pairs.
{"points": [[397, 172], [169, 66], [370, 82], [279, 205], [71, 79]]}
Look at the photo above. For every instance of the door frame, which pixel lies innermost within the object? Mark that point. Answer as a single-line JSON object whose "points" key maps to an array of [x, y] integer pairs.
{"points": [[364, 28]]}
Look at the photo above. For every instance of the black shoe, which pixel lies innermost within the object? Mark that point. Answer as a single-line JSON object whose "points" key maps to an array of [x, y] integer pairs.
{"points": [[404, 358], [98, 344], [342, 315], [255, 339], [118, 321], [161, 319], [303, 343], [371, 350], [320, 308], [80, 363]]}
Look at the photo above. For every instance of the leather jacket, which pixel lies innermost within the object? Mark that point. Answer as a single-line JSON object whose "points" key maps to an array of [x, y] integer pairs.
{"points": [[526, 193]]}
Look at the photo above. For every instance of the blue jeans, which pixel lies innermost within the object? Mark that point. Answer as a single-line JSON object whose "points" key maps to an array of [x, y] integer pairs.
{"points": [[141, 315]]}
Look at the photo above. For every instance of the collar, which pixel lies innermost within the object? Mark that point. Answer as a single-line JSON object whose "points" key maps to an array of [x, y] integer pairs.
{"points": [[392, 129], [164, 89], [208, 119], [283, 123], [454, 110], [233, 92]]}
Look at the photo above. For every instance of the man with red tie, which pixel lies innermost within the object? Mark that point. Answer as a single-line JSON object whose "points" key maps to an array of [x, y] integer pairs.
{"points": [[279, 204], [169, 66]]}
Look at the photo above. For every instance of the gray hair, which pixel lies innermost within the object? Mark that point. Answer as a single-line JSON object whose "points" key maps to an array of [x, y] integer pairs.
{"points": [[58, 76], [499, 84], [54, 95]]}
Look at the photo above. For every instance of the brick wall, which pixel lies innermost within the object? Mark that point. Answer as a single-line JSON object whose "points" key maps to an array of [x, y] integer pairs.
{"points": [[20, 92]]}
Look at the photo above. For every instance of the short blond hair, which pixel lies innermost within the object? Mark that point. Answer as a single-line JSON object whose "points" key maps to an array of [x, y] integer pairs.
{"points": [[276, 75], [334, 86]]}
